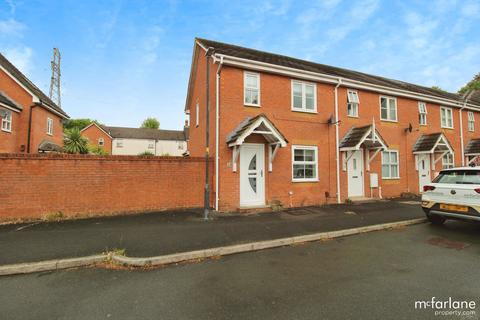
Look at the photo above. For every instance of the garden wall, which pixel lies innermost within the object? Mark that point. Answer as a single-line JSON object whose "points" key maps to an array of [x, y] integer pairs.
{"points": [[34, 186]]}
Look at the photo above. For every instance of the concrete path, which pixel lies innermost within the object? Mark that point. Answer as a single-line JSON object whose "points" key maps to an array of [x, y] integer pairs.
{"points": [[165, 233]]}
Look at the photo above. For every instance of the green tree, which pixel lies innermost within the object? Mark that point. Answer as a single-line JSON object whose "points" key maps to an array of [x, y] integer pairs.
{"points": [[151, 123], [438, 89], [74, 142], [473, 84], [77, 123]]}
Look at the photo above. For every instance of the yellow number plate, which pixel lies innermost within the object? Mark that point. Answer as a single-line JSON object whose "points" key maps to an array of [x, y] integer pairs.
{"points": [[453, 207]]}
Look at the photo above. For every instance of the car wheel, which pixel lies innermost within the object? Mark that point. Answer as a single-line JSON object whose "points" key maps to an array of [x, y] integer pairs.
{"points": [[436, 219]]}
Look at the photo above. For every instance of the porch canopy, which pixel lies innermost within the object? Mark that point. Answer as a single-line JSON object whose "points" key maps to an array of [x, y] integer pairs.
{"points": [[366, 137], [259, 125], [48, 146], [434, 143], [472, 150]]}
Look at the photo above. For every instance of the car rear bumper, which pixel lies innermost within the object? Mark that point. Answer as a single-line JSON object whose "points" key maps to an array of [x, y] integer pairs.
{"points": [[430, 207]]}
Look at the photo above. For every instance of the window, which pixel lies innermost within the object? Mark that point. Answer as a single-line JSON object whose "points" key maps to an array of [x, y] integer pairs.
{"points": [[197, 114], [6, 120], [422, 113], [101, 142], [446, 117], [49, 126], [447, 161], [119, 143], [304, 96], [150, 146], [390, 165], [353, 101], [388, 109], [471, 121], [251, 83], [304, 163], [179, 145]]}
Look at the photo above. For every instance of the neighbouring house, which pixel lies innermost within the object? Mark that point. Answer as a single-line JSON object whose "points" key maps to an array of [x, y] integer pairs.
{"points": [[30, 121], [291, 132], [134, 141]]}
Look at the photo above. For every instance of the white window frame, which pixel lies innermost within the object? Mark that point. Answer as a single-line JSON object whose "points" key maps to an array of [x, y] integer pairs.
{"points": [[315, 162], [471, 121], [390, 164], [388, 98], [448, 161], [50, 126], [197, 114], [446, 111], [151, 145], [257, 75], [7, 121], [422, 113], [353, 100], [101, 142], [304, 96], [119, 143]]}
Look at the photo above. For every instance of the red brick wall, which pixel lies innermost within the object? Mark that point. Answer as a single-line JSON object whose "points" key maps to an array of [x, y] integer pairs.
{"points": [[19, 135], [85, 185], [93, 133]]}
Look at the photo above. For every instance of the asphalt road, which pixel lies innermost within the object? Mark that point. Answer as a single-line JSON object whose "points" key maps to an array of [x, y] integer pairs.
{"points": [[378, 275]]}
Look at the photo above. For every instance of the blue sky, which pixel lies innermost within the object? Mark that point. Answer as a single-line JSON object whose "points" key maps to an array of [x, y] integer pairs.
{"points": [[123, 61]]}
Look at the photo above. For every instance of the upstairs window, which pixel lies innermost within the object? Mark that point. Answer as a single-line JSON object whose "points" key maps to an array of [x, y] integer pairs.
{"points": [[446, 117], [49, 126], [447, 161], [471, 121], [353, 102], [197, 115], [101, 142], [390, 165], [422, 113], [304, 163], [304, 96], [6, 116], [119, 143], [251, 83], [388, 109]]}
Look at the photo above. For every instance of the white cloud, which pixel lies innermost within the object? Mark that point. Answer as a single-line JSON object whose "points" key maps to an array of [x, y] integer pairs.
{"points": [[21, 57], [420, 29], [471, 9], [151, 44], [11, 28]]}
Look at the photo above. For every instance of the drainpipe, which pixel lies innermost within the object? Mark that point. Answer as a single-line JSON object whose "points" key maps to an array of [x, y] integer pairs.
{"points": [[337, 142], [206, 200], [30, 127], [217, 119]]}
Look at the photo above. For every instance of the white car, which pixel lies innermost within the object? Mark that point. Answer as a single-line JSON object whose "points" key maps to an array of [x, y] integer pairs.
{"points": [[453, 194]]}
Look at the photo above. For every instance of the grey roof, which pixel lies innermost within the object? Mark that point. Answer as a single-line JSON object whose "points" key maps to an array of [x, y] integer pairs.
{"points": [[140, 133], [285, 61], [245, 125], [473, 147], [29, 85], [426, 142], [49, 146], [354, 137], [9, 102]]}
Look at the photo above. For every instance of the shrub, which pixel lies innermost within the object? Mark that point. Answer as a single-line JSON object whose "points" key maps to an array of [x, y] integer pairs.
{"points": [[74, 142], [146, 154], [97, 150]]}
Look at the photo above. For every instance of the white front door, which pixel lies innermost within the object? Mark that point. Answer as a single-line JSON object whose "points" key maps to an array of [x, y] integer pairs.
{"points": [[252, 181], [355, 173], [423, 170]]}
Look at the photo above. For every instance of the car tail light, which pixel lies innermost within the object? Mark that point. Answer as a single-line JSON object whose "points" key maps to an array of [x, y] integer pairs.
{"points": [[428, 188], [477, 190]]}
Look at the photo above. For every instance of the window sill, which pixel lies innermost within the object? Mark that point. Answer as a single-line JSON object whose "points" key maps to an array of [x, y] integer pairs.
{"points": [[305, 180], [386, 120], [50, 134], [394, 178], [251, 105], [448, 128], [355, 117], [305, 111], [7, 131]]}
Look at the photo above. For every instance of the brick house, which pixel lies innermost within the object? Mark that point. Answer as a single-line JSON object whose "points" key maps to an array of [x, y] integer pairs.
{"points": [[134, 141], [30, 121], [297, 133]]}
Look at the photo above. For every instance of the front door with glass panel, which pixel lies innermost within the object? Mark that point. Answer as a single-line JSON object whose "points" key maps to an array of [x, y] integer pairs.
{"points": [[423, 170], [355, 173], [252, 182]]}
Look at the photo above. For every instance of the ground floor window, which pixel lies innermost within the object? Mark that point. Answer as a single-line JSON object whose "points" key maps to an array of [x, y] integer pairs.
{"points": [[390, 164], [304, 163], [447, 161]]}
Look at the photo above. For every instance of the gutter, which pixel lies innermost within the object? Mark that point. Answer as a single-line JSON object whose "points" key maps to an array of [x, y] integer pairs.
{"points": [[337, 142], [217, 125]]}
